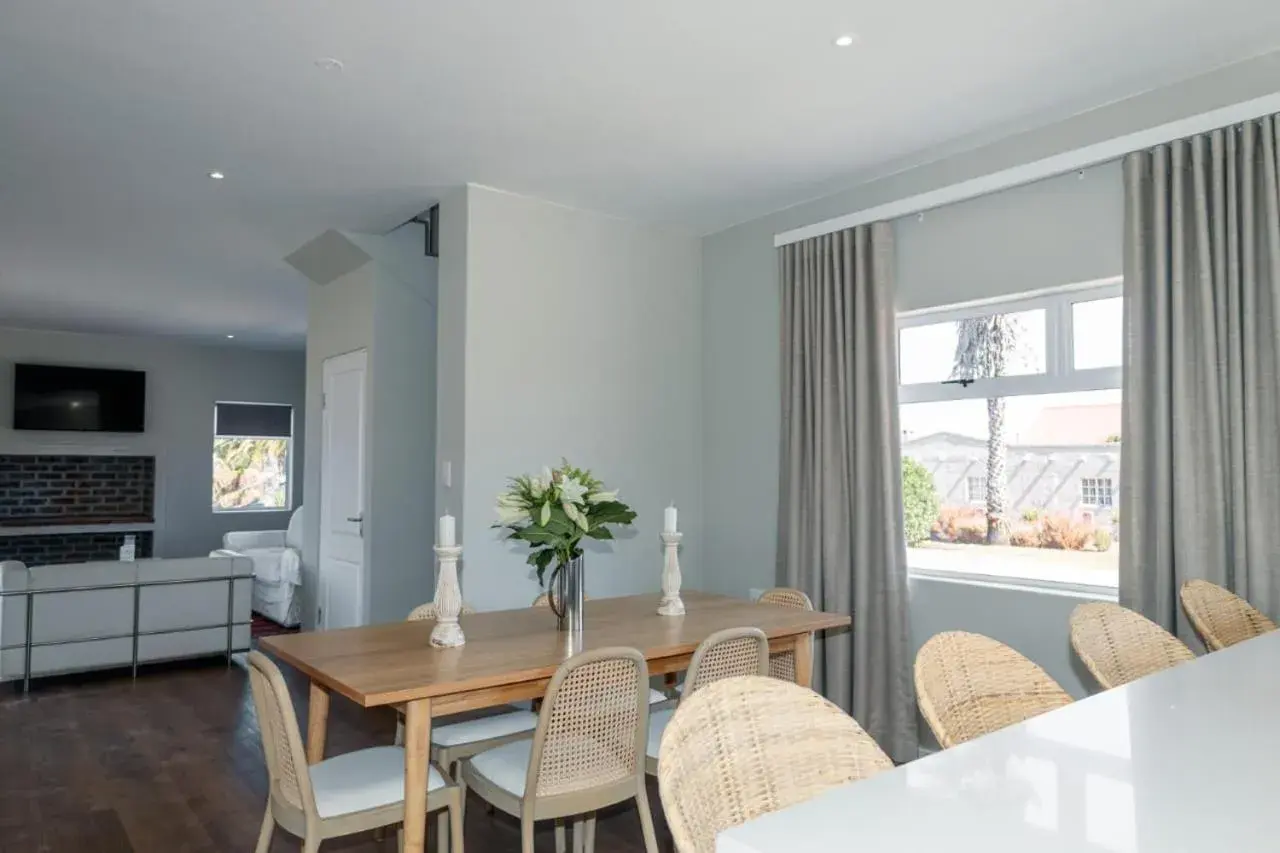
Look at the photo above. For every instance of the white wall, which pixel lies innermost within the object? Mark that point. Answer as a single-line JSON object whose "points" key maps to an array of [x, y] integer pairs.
{"points": [[183, 382], [582, 340]]}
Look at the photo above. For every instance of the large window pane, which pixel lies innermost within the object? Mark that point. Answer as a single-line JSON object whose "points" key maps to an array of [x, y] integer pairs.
{"points": [[1057, 498], [1097, 329], [250, 474], [928, 353]]}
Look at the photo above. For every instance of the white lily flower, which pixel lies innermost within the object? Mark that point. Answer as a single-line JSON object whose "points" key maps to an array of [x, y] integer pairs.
{"points": [[572, 491], [512, 515], [576, 516], [602, 497]]}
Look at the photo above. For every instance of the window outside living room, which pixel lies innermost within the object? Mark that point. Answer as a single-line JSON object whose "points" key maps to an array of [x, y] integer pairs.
{"points": [[252, 457], [1010, 419]]}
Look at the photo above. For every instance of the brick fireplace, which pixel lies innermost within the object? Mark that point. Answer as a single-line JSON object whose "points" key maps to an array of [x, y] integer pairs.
{"points": [[70, 509]]}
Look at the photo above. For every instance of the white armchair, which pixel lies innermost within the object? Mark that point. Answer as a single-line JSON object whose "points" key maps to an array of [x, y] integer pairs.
{"points": [[277, 568]]}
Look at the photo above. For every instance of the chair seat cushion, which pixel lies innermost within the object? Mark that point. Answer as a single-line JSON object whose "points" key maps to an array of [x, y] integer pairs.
{"points": [[507, 766], [362, 780], [658, 721], [655, 697], [484, 728]]}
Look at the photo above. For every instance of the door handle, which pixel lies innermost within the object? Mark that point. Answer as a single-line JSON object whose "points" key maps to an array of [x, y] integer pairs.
{"points": [[355, 519], [358, 520]]}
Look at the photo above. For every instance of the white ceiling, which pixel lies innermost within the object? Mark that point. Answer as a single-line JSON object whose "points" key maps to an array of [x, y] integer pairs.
{"points": [[696, 114]]}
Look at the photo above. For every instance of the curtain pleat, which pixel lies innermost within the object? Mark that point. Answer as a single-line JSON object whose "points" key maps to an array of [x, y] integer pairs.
{"points": [[840, 536], [1200, 480]]}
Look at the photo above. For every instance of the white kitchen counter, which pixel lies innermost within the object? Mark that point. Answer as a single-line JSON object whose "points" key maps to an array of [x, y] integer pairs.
{"points": [[1184, 760]]}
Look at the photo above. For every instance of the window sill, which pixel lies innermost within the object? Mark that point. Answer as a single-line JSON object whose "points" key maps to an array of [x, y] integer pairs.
{"points": [[257, 510]]}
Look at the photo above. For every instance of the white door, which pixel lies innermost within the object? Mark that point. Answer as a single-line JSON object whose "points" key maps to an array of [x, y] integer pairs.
{"points": [[342, 492]]}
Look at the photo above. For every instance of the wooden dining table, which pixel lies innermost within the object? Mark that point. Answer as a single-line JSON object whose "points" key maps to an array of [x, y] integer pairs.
{"points": [[510, 655]]}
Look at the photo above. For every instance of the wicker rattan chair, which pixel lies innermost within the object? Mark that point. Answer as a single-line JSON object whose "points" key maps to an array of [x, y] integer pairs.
{"points": [[586, 754], [1221, 617], [451, 742], [349, 793], [747, 746], [1119, 645], [725, 654], [969, 685], [783, 664]]}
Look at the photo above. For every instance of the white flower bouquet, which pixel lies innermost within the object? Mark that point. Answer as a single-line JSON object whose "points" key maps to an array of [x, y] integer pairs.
{"points": [[555, 510]]}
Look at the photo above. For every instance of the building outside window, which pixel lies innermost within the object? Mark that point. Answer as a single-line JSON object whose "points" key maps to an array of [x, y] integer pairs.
{"points": [[1013, 408], [252, 457]]}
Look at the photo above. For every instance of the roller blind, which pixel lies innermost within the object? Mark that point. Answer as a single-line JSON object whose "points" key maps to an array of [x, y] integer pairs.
{"points": [[256, 419]]}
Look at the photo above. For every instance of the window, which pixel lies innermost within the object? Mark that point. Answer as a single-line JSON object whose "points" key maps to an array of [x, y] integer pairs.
{"points": [[252, 455], [1008, 405], [976, 490], [1097, 492]]}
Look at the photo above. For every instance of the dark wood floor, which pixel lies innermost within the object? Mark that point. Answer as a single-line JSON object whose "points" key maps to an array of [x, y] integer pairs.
{"points": [[173, 763]]}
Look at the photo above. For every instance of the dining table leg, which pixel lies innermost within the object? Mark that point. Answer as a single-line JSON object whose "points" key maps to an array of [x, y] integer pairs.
{"points": [[804, 660], [417, 763], [317, 723]]}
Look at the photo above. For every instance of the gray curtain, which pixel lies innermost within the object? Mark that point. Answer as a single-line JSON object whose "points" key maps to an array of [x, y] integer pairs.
{"points": [[840, 535], [1200, 470]]}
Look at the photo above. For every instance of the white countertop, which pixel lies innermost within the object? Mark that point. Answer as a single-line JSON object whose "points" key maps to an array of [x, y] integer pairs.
{"points": [[1184, 760]]}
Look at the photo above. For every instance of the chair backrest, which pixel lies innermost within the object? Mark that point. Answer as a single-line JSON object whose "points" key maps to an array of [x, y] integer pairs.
{"points": [[593, 726], [725, 654], [281, 738], [1119, 645], [783, 664], [747, 746], [969, 685], [428, 611], [1221, 617]]}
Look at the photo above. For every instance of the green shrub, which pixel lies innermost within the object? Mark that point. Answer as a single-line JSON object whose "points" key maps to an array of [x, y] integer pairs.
{"points": [[919, 501], [1102, 539], [971, 532], [1031, 515]]}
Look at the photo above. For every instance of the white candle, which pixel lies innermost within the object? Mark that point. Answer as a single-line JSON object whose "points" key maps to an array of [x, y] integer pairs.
{"points": [[447, 532], [669, 520]]}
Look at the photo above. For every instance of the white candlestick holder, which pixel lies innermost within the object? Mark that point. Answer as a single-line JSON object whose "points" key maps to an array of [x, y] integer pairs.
{"points": [[448, 633], [671, 605]]}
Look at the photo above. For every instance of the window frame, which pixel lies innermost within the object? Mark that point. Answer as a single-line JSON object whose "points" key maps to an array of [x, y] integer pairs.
{"points": [[1060, 377], [289, 454], [1111, 491], [969, 490]]}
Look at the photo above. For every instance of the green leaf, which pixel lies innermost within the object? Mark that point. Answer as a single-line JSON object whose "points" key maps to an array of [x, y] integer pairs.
{"points": [[546, 513], [600, 533]]}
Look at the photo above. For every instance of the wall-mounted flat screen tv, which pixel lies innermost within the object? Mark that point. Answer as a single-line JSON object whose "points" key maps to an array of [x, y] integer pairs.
{"points": [[79, 399]]}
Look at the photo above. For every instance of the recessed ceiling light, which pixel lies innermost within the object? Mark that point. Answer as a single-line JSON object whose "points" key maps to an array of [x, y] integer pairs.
{"points": [[328, 63], [216, 175], [846, 40], [230, 336]]}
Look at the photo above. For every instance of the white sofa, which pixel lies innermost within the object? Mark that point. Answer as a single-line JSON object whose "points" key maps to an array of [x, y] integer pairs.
{"points": [[93, 628], [277, 568]]}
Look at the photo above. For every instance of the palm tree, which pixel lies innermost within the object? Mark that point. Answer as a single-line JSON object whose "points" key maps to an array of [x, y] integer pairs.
{"points": [[984, 349]]}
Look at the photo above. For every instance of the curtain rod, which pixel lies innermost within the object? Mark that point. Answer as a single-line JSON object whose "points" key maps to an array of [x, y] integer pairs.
{"points": [[1048, 167]]}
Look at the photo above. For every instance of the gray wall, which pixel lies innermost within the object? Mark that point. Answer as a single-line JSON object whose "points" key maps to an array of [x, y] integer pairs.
{"points": [[339, 320], [582, 340], [1053, 232], [402, 428], [386, 305], [183, 382]]}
